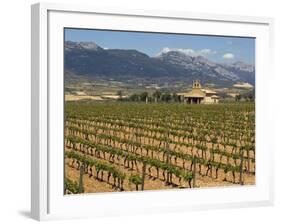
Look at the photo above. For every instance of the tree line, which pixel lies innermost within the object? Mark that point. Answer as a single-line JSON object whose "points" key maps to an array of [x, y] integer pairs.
{"points": [[166, 97], [157, 96]]}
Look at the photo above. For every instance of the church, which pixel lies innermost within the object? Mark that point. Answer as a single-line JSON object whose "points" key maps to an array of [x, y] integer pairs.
{"points": [[199, 95]]}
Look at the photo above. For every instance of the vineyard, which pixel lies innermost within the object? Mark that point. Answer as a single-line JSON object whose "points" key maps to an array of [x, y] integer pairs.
{"points": [[114, 146]]}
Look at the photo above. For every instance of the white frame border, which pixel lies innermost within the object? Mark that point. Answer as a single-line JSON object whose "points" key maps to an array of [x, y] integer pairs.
{"points": [[40, 104]]}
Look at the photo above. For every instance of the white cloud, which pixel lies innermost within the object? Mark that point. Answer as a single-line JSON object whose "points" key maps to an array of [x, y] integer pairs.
{"points": [[228, 56], [206, 52], [189, 51]]}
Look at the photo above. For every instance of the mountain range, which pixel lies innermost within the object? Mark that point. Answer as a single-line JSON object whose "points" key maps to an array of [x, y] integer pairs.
{"points": [[87, 59]]}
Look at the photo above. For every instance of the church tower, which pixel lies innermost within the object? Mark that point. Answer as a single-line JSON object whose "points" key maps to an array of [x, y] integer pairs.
{"points": [[196, 84]]}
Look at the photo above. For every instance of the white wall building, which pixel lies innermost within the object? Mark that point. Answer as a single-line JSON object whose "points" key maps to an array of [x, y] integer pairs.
{"points": [[199, 95]]}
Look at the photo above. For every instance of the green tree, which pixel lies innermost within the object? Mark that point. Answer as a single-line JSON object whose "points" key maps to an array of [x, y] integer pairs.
{"points": [[238, 97], [176, 97], [120, 94], [135, 97], [144, 96], [166, 97], [157, 95]]}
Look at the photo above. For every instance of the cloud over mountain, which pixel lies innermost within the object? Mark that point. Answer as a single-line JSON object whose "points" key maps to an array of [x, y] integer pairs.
{"points": [[170, 65], [188, 51], [228, 56]]}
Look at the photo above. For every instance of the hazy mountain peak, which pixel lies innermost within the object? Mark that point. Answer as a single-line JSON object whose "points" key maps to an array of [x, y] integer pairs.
{"points": [[166, 50], [242, 66], [87, 45], [173, 65]]}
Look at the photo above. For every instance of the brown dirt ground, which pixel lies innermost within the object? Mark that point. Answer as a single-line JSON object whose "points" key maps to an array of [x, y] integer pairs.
{"points": [[92, 185]]}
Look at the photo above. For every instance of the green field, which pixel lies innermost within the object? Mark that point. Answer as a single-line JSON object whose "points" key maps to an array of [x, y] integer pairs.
{"points": [[122, 146]]}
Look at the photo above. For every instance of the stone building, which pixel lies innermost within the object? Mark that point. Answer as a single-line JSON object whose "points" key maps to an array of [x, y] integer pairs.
{"points": [[199, 95]]}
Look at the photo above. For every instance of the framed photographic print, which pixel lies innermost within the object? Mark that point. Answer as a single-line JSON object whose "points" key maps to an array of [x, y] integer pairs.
{"points": [[148, 111]]}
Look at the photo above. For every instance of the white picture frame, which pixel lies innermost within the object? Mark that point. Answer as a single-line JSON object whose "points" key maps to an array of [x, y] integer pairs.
{"points": [[47, 198]]}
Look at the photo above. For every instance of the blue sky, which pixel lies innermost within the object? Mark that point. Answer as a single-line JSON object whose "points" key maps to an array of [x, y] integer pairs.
{"points": [[216, 48]]}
